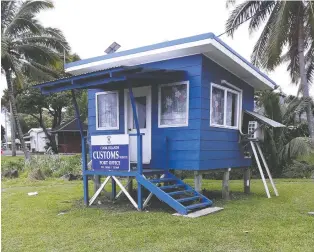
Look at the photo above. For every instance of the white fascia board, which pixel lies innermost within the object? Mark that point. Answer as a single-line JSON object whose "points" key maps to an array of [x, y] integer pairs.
{"points": [[166, 53], [242, 64], [148, 56]]}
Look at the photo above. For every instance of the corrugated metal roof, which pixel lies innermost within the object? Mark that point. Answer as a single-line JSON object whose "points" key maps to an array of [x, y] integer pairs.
{"points": [[76, 75], [264, 119]]}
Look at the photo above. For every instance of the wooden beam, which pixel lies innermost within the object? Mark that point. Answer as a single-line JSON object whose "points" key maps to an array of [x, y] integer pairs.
{"points": [[225, 184]]}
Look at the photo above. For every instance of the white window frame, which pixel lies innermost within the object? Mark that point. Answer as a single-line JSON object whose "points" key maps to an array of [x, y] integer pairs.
{"points": [[238, 93], [96, 101], [187, 83]]}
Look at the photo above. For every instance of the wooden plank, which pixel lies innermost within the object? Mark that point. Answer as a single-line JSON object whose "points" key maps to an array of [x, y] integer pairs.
{"points": [[203, 212]]}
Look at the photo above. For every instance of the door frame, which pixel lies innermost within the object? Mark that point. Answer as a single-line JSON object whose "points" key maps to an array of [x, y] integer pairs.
{"points": [[148, 116]]}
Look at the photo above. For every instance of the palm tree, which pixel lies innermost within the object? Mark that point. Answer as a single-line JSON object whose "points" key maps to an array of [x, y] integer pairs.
{"points": [[282, 145], [288, 36], [27, 48]]}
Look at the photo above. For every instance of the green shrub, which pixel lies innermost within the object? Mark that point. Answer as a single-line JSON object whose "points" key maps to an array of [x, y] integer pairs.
{"points": [[298, 169], [54, 165], [11, 163]]}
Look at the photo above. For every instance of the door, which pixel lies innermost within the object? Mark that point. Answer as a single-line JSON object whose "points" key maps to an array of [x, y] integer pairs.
{"points": [[142, 97]]}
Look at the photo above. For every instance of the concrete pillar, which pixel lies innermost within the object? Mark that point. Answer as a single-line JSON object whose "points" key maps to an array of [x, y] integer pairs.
{"points": [[246, 180], [225, 184], [198, 181]]}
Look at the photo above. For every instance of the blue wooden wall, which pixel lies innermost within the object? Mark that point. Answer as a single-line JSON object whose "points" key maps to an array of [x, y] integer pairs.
{"points": [[219, 147], [196, 146]]}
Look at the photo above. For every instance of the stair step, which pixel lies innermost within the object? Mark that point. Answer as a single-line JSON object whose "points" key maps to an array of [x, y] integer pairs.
{"points": [[171, 186], [162, 180], [180, 192], [188, 199], [197, 205]]}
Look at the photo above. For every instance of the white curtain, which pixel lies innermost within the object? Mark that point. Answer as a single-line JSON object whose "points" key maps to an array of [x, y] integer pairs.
{"points": [[173, 104], [107, 110], [218, 99], [231, 109]]}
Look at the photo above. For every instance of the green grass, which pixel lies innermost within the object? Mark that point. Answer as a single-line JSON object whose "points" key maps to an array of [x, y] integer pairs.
{"points": [[276, 224]]}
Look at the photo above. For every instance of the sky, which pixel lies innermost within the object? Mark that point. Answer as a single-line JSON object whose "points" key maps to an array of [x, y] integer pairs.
{"points": [[91, 26]]}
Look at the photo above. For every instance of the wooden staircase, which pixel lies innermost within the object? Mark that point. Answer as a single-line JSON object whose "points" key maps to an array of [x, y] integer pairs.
{"points": [[174, 192]]}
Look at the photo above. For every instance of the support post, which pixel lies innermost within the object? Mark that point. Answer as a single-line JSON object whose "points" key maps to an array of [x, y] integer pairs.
{"points": [[113, 189], [225, 184], [246, 180], [83, 142], [96, 182], [139, 148], [130, 185], [198, 181]]}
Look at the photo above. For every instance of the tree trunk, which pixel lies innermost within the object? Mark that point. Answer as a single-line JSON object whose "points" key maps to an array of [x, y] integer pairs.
{"points": [[13, 134], [304, 83], [51, 137], [15, 115]]}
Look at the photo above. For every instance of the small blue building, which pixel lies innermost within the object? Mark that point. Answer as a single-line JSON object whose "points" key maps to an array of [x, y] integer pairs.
{"points": [[173, 105]]}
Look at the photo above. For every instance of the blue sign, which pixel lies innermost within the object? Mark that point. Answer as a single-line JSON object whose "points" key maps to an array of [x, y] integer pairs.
{"points": [[110, 152]]}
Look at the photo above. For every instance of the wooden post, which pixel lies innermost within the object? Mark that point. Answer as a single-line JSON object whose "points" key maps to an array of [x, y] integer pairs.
{"points": [[198, 181], [225, 184], [130, 185], [246, 180], [96, 182], [113, 189]]}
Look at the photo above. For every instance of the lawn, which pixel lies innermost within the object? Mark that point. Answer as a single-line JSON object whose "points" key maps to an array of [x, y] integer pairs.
{"points": [[247, 223]]}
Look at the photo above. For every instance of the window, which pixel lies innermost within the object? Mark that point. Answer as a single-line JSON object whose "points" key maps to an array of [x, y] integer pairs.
{"points": [[107, 110], [224, 107], [173, 105]]}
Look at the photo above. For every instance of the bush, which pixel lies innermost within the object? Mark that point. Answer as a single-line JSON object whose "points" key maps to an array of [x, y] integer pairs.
{"points": [[43, 166], [12, 163], [298, 169]]}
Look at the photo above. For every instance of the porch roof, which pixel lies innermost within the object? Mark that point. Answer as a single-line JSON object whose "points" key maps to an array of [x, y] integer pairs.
{"points": [[105, 79]]}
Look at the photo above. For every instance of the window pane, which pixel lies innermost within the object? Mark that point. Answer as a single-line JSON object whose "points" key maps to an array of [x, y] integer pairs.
{"points": [[217, 113], [173, 104], [232, 107], [141, 112], [107, 110]]}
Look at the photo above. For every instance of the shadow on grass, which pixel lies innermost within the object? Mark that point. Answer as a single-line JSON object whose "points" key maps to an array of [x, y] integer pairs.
{"points": [[122, 204]]}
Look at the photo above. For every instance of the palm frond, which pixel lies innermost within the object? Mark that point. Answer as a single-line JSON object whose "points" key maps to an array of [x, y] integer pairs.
{"points": [[278, 35], [262, 13], [7, 13], [263, 41], [299, 146], [38, 53], [241, 13], [23, 19]]}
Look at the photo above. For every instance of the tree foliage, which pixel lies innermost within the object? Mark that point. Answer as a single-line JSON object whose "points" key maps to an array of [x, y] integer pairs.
{"points": [[27, 48], [282, 145], [287, 36]]}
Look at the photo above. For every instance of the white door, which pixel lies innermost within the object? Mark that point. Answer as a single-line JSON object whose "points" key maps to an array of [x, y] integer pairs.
{"points": [[142, 97]]}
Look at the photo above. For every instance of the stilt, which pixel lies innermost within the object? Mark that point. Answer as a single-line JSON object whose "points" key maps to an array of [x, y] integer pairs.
{"points": [[96, 182], [130, 185], [85, 187], [198, 181], [225, 184], [113, 189], [246, 180], [139, 196]]}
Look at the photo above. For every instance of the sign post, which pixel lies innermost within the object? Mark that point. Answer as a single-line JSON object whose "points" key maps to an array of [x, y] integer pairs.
{"points": [[110, 152]]}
